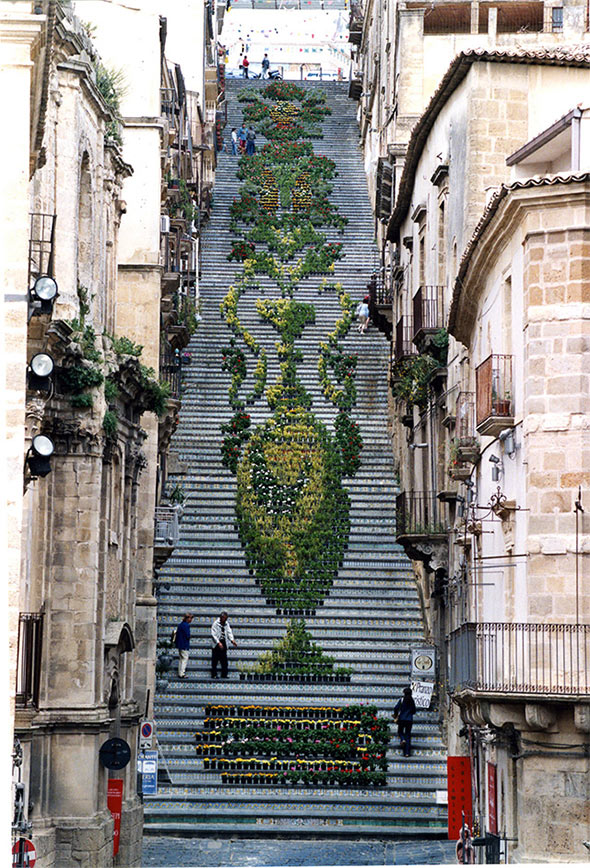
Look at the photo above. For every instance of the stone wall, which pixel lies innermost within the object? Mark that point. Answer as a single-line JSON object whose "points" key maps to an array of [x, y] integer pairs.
{"points": [[557, 416]]}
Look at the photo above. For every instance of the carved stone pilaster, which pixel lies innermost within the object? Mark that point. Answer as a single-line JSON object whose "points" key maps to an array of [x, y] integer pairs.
{"points": [[70, 437], [34, 414]]}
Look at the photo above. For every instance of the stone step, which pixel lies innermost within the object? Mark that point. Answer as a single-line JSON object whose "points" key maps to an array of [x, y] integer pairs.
{"points": [[208, 570]]}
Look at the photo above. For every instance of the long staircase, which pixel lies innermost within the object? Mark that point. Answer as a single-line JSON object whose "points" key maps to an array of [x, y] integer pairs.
{"points": [[371, 616]]}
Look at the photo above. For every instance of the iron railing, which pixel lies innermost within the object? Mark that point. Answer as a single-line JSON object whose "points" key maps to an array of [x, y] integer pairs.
{"points": [[465, 419], [493, 385], [28, 659], [166, 530], [380, 290], [419, 513], [170, 368], [404, 346], [540, 659], [41, 245], [428, 310], [168, 103]]}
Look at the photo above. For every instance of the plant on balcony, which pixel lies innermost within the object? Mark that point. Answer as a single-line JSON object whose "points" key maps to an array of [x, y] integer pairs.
{"points": [[176, 494], [411, 379]]}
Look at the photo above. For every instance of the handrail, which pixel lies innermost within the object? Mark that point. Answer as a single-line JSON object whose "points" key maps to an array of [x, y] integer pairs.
{"points": [[522, 658]]}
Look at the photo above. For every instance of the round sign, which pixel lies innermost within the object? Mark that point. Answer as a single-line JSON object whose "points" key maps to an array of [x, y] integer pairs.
{"points": [[146, 730], [423, 661], [115, 753], [24, 854]]}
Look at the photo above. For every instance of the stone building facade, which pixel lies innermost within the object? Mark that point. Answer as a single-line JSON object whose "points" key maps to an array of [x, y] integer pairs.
{"points": [[401, 51], [486, 244], [91, 382]]}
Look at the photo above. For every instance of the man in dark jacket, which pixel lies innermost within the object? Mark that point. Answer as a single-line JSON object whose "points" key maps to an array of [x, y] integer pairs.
{"points": [[183, 642], [404, 713]]}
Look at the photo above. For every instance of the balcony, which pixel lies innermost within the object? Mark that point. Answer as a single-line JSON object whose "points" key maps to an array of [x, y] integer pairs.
{"points": [[28, 665], [465, 449], [404, 346], [428, 314], [421, 528], [166, 533], [523, 660], [170, 368], [493, 388], [355, 25]]}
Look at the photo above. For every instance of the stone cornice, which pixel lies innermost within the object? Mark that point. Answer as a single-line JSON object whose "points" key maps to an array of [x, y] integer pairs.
{"points": [[495, 231]]}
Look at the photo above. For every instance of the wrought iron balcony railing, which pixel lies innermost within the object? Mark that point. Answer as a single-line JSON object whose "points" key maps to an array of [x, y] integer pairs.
{"points": [[528, 659], [380, 291], [404, 346], [166, 529], [28, 665], [170, 368], [465, 419], [419, 514], [427, 311], [493, 388]]}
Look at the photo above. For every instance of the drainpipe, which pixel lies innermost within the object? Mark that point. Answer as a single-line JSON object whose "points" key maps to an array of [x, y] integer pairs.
{"points": [[576, 138]]}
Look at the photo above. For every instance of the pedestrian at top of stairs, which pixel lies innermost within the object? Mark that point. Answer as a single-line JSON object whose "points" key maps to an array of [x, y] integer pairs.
{"points": [[362, 312], [245, 65], [265, 65], [182, 640], [221, 633], [403, 714]]}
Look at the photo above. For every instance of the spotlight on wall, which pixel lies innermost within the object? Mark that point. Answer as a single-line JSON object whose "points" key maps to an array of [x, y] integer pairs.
{"points": [[38, 456], [494, 459], [42, 296], [39, 372], [506, 438], [418, 445]]}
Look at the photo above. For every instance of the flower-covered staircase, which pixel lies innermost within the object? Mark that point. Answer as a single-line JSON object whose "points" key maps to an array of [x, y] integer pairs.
{"points": [[358, 626]]}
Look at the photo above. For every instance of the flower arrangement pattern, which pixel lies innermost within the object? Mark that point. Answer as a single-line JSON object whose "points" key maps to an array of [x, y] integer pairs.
{"points": [[313, 746], [292, 510]]}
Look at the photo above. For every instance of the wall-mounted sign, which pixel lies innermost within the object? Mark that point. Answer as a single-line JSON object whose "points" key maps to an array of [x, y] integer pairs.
{"points": [[146, 735], [149, 773], [422, 693], [115, 805], [423, 663], [115, 753], [24, 854]]}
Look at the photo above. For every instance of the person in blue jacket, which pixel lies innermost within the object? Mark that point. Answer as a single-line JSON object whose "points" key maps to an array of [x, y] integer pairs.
{"points": [[183, 642], [403, 714]]}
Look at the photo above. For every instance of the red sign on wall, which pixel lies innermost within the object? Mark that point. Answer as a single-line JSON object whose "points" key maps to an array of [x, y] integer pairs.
{"points": [[115, 805], [459, 790], [492, 803]]}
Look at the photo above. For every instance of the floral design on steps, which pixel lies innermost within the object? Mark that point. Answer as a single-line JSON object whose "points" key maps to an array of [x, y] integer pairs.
{"points": [[313, 746], [292, 509]]}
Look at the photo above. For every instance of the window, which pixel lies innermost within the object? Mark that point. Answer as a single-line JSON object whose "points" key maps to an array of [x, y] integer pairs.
{"points": [[28, 664], [557, 19]]}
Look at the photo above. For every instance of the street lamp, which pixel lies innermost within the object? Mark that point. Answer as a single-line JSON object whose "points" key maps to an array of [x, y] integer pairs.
{"points": [[39, 372], [42, 296], [38, 456]]}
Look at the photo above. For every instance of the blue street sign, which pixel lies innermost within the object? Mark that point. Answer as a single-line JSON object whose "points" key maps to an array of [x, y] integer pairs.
{"points": [[149, 773]]}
